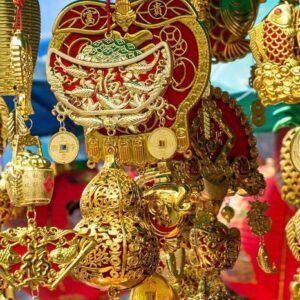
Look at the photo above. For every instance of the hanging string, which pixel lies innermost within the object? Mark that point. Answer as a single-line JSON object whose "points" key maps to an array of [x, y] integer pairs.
{"points": [[19, 6], [108, 12]]}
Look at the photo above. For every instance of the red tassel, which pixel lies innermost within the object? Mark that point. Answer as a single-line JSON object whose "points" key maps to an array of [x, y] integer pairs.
{"points": [[108, 16], [19, 6]]}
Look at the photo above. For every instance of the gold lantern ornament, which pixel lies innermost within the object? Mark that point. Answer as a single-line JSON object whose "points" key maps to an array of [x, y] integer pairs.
{"points": [[127, 252]]}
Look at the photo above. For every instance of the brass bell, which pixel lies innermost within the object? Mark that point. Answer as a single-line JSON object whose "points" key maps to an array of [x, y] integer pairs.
{"points": [[29, 178]]}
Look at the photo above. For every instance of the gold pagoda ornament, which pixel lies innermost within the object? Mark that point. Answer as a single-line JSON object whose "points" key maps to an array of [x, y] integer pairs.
{"points": [[275, 43], [127, 251]]}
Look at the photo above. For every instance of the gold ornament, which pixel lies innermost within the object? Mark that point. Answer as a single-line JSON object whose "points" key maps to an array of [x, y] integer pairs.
{"points": [[295, 151], [263, 260], [31, 29], [7, 211], [124, 132], [162, 143], [213, 140], [154, 287], [99, 100], [228, 22], [63, 147], [29, 176], [49, 254], [293, 235], [258, 117], [259, 223], [124, 15], [295, 286], [216, 246], [167, 205], [22, 68], [290, 189], [126, 251], [4, 114], [227, 213], [276, 75]]}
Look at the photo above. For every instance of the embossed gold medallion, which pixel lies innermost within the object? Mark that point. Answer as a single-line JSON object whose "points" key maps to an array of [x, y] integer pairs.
{"points": [[162, 143], [63, 147], [154, 287], [295, 151]]}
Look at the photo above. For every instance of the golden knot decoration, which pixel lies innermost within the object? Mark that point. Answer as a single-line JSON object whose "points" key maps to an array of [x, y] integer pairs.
{"points": [[126, 252], [258, 222]]}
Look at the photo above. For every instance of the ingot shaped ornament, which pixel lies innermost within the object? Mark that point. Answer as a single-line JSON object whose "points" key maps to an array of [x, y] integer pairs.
{"points": [[126, 252], [29, 178], [274, 44]]}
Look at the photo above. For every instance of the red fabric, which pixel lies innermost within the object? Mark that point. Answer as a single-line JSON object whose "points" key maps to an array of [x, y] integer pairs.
{"points": [[261, 285]]}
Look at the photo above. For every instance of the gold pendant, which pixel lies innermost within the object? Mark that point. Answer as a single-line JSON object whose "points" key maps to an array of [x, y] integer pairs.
{"points": [[258, 113], [155, 287], [63, 147], [263, 260], [162, 143], [295, 151]]}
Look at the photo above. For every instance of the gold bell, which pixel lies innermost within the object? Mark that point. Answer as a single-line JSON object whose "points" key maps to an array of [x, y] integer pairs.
{"points": [[29, 178]]}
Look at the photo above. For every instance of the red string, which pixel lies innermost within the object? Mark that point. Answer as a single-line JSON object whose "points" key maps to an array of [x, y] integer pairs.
{"points": [[19, 5], [108, 12]]}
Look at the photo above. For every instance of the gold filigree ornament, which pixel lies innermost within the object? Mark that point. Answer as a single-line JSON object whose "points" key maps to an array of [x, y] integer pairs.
{"points": [[162, 61], [127, 251], [261, 224], [48, 254], [276, 76], [290, 189], [167, 205], [18, 50], [108, 92]]}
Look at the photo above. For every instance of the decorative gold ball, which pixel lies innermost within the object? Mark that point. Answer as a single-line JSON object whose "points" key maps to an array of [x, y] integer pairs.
{"points": [[227, 213], [126, 252]]}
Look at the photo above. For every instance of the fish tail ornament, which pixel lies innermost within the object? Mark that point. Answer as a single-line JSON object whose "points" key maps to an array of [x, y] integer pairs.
{"points": [[263, 260]]}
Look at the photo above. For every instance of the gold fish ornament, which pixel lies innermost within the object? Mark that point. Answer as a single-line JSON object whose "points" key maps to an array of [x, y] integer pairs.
{"points": [[273, 43]]}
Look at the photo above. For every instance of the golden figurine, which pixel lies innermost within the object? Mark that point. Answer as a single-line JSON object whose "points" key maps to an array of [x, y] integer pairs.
{"points": [[274, 47], [124, 15]]}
